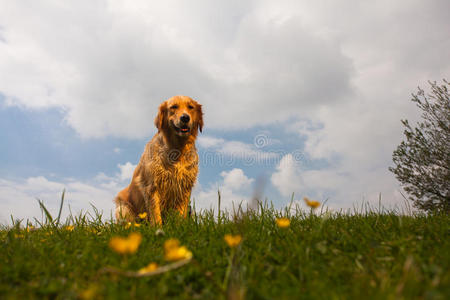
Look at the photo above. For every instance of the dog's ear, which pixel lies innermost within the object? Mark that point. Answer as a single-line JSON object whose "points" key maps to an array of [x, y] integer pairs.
{"points": [[160, 120], [200, 117]]}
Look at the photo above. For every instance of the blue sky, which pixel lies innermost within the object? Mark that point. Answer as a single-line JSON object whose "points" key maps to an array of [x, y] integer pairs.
{"points": [[307, 96]]}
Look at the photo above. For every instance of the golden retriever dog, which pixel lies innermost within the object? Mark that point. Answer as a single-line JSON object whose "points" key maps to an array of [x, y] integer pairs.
{"points": [[168, 168]]}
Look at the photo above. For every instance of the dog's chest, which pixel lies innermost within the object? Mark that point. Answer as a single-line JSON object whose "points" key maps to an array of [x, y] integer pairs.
{"points": [[181, 173], [174, 181]]}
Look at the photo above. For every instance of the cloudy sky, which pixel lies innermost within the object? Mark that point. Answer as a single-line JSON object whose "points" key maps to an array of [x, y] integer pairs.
{"points": [[304, 97]]}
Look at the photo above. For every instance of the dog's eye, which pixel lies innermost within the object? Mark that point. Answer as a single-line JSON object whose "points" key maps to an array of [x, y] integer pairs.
{"points": [[190, 107], [174, 106]]}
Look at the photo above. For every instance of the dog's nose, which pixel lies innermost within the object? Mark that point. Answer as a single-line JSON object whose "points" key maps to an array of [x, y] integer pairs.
{"points": [[185, 118]]}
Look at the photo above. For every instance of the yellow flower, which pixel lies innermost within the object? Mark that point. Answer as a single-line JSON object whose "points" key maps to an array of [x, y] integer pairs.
{"points": [[69, 228], [143, 215], [129, 224], [18, 236], [283, 222], [174, 252], [171, 244], [94, 231], [149, 268], [178, 253], [30, 228], [90, 293], [232, 240], [126, 245], [311, 203]]}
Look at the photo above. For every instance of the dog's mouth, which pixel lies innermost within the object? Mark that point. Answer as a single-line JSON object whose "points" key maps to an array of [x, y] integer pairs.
{"points": [[182, 130]]}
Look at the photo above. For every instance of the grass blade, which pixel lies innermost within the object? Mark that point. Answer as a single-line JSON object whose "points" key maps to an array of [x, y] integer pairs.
{"points": [[60, 207], [46, 212]]}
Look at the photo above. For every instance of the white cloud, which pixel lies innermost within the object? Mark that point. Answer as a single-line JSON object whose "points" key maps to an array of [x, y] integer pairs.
{"points": [[109, 64], [286, 177], [235, 189], [126, 171], [245, 151], [340, 186], [229, 151], [18, 197], [236, 179], [206, 141]]}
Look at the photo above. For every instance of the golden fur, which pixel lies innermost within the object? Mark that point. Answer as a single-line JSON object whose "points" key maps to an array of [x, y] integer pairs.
{"points": [[168, 168]]}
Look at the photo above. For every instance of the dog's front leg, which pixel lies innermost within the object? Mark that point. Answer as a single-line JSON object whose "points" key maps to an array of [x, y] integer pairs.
{"points": [[183, 207], [183, 210], [155, 209]]}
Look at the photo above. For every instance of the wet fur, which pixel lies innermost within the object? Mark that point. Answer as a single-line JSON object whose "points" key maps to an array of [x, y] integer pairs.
{"points": [[168, 168]]}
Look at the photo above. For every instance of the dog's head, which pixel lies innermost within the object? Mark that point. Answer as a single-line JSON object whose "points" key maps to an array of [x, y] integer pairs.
{"points": [[181, 115]]}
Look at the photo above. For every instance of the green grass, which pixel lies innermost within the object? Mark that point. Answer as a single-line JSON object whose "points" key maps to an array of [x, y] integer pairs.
{"points": [[333, 256]]}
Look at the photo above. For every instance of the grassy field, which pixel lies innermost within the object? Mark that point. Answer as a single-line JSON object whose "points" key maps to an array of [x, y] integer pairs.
{"points": [[331, 256]]}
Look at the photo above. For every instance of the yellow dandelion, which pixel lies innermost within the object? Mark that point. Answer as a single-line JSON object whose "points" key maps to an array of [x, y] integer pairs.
{"points": [[171, 244], [129, 224], [311, 203], [283, 222], [143, 215], [232, 240], [174, 252], [94, 231], [30, 228], [127, 245], [149, 268], [178, 254], [90, 293], [18, 236], [69, 228]]}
